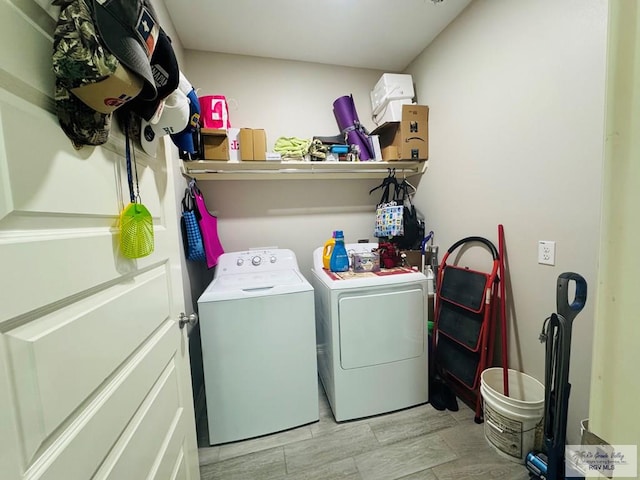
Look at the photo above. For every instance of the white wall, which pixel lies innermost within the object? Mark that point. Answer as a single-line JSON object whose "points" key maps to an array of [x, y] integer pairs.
{"points": [[287, 99], [516, 96]]}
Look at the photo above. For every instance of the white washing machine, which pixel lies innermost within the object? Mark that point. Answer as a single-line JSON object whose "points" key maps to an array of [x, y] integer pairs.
{"points": [[371, 339], [258, 346]]}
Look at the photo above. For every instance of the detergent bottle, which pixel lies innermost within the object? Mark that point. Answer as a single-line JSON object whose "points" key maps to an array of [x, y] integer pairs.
{"points": [[328, 250], [339, 258]]}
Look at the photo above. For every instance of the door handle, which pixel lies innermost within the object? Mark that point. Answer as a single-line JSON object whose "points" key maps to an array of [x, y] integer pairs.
{"points": [[185, 319]]}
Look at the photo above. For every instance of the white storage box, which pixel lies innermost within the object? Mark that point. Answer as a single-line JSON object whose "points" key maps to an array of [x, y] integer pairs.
{"points": [[391, 86], [391, 112]]}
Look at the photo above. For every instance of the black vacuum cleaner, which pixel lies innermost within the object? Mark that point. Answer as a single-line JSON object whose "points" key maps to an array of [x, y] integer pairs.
{"points": [[556, 333]]}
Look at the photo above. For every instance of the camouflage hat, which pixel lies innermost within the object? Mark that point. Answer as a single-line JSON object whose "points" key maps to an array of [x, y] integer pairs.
{"points": [[82, 124], [85, 67]]}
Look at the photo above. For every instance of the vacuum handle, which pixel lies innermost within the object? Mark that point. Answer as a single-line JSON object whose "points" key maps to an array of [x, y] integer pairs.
{"points": [[564, 308]]}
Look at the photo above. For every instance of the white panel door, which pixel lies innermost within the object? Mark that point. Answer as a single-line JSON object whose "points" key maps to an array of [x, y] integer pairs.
{"points": [[94, 371]]}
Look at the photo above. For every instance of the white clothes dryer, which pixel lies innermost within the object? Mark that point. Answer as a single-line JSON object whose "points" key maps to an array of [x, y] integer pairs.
{"points": [[371, 332], [258, 346]]}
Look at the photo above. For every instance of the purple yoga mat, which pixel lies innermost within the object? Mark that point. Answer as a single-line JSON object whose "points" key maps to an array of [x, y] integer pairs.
{"points": [[345, 112]]}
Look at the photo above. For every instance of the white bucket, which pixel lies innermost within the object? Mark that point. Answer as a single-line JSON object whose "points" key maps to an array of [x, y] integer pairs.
{"points": [[510, 422]]}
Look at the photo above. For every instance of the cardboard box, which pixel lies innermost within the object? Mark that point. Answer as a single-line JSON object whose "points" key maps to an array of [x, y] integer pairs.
{"points": [[246, 144], [407, 139], [259, 144], [413, 258], [390, 153], [215, 144], [253, 144]]}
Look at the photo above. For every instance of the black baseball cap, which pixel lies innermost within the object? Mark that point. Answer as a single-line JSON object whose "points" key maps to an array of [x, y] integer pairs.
{"points": [[166, 77], [130, 30]]}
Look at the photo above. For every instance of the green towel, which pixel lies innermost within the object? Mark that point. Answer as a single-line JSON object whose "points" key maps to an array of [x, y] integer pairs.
{"points": [[292, 147]]}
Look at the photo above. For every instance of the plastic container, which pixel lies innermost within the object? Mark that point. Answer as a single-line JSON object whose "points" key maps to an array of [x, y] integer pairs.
{"points": [[391, 86], [339, 148], [366, 262], [339, 257], [391, 112], [510, 423], [327, 251]]}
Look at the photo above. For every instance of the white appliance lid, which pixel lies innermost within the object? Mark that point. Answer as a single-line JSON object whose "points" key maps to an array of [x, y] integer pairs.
{"points": [[246, 285], [254, 280]]}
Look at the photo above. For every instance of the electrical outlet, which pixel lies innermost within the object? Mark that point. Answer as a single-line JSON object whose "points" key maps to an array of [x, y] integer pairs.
{"points": [[546, 252]]}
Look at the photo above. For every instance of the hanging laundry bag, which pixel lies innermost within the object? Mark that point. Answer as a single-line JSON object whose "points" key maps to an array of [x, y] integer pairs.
{"points": [[214, 112], [208, 227]]}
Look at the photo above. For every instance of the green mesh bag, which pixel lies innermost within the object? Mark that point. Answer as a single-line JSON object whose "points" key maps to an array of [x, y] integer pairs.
{"points": [[136, 231]]}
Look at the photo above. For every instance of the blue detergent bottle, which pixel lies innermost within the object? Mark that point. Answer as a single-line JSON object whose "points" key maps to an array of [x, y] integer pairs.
{"points": [[339, 258]]}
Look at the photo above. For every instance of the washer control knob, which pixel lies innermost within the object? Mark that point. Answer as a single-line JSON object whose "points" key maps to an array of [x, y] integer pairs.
{"points": [[256, 260], [239, 262], [273, 259]]}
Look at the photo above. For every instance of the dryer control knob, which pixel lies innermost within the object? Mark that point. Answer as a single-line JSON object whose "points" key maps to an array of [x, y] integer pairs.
{"points": [[239, 262], [273, 259], [256, 260]]}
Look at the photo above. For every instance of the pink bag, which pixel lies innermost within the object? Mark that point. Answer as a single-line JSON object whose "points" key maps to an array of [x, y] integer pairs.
{"points": [[208, 228], [214, 111]]}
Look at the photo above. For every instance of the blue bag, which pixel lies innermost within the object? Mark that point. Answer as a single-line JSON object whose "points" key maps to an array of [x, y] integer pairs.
{"points": [[191, 235]]}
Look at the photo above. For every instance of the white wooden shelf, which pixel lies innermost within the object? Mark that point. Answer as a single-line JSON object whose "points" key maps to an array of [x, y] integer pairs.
{"points": [[300, 170]]}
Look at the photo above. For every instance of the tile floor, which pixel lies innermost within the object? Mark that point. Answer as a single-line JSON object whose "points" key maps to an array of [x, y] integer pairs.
{"points": [[418, 443]]}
